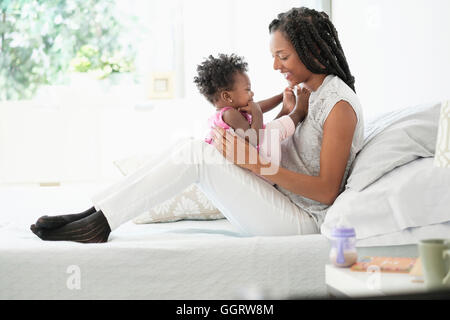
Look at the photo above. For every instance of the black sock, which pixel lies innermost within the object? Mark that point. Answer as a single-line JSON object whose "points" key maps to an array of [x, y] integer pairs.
{"points": [[92, 229], [53, 222]]}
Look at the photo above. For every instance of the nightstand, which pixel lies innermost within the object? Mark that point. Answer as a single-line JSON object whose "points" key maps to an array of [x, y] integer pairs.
{"points": [[342, 282]]}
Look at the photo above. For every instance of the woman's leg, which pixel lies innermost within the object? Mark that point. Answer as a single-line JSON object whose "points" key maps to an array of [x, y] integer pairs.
{"points": [[57, 221], [159, 157], [248, 202]]}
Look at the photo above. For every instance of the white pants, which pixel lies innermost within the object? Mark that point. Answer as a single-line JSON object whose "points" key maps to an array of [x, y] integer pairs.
{"points": [[251, 204]]}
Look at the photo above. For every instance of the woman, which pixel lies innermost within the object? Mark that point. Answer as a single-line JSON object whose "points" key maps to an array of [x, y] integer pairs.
{"points": [[314, 162]]}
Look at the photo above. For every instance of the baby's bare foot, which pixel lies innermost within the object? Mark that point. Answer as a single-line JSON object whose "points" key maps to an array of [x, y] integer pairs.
{"points": [[288, 100], [303, 100]]}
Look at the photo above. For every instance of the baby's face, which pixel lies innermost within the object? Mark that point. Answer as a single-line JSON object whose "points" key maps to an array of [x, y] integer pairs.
{"points": [[242, 92]]}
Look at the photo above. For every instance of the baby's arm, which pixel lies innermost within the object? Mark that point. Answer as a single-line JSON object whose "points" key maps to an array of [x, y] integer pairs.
{"points": [[283, 127], [270, 103], [236, 120]]}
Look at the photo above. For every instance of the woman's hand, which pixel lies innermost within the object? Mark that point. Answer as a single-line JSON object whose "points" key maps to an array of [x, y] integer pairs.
{"points": [[236, 149]]}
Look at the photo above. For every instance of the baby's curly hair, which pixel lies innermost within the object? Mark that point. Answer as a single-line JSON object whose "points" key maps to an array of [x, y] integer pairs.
{"points": [[217, 74]]}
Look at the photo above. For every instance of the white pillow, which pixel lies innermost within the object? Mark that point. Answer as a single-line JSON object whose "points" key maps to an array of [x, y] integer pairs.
{"points": [[413, 195], [393, 140], [191, 204], [407, 236]]}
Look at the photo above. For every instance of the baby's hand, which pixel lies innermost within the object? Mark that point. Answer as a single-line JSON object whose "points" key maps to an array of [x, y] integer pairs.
{"points": [[250, 108], [245, 109]]}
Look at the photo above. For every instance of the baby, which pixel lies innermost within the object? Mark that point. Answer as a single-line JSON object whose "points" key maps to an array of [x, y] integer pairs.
{"points": [[224, 82]]}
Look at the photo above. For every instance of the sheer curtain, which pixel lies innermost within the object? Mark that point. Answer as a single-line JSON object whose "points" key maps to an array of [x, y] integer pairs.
{"points": [[175, 35], [171, 36]]}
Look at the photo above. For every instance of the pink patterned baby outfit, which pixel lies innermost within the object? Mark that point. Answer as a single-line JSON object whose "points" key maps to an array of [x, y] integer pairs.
{"points": [[217, 120], [272, 134]]}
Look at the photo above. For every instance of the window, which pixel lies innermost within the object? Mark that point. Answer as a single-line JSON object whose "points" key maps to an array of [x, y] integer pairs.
{"points": [[41, 41], [100, 80]]}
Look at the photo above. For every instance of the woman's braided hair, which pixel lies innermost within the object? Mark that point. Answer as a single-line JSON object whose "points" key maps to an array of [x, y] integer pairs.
{"points": [[316, 41]]}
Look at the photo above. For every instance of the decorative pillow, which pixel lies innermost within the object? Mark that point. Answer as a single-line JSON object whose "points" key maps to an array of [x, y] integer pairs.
{"points": [[191, 204], [393, 140]]}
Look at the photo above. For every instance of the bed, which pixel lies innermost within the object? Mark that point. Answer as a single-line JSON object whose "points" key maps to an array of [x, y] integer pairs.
{"points": [[178, 260], [393, 199]]}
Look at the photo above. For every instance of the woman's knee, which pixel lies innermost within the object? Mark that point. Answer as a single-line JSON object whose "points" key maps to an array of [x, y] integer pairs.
{"points": [[188, 151], [197, 152]]}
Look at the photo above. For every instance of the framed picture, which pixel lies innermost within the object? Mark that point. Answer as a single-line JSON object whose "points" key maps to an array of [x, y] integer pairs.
{"points": [[161, 85]]}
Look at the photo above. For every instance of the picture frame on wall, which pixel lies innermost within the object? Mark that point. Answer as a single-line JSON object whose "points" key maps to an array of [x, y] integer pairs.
{"points": [[161, 85]]}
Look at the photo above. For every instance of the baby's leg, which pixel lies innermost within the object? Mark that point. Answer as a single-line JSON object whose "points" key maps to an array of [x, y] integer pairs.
{"points": [[271, 137]]}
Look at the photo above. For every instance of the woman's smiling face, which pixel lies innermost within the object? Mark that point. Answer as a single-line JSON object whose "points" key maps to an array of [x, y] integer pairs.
{"points": [[286, 60]]}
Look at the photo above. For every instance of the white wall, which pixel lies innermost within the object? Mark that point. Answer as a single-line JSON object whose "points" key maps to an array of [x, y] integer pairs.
{"points": [[398, 50], [235, 26]]}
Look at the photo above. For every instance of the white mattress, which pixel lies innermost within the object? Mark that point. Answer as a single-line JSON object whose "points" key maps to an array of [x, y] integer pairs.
{"points": [[180, 260]]}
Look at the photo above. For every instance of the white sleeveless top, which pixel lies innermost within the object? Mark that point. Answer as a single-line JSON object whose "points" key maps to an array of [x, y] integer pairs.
{"points": [[301, 152]]}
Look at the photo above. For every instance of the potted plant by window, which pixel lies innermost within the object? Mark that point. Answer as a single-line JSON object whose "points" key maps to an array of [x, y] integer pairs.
{"points": [[90, 64]]}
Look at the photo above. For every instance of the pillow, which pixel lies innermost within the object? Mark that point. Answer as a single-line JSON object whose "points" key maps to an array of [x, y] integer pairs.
{"points": [[191, 204], [407, 236], [413, 195], [392, 140]]}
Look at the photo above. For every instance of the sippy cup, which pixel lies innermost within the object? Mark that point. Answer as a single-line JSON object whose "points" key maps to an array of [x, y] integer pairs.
{"points": [[343, 251]]}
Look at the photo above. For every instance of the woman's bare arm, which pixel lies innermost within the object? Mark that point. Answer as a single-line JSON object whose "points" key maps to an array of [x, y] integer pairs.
{"points": [[337, 139], [336, 143]]}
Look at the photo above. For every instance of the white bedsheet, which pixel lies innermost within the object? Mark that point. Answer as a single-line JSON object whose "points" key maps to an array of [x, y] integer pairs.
{"points": [[181, 260]]}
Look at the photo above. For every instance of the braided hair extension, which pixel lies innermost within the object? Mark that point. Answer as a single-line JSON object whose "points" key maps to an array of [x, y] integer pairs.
{"points": [[315, 40], [217, 74]]}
